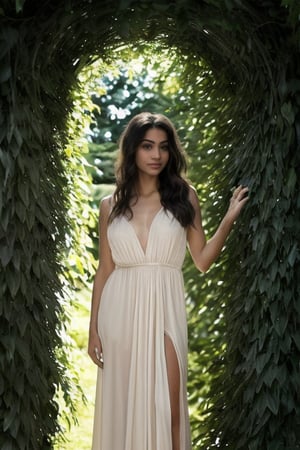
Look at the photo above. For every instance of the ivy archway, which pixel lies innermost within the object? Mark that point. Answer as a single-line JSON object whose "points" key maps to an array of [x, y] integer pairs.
{"points": [[252, 49]]}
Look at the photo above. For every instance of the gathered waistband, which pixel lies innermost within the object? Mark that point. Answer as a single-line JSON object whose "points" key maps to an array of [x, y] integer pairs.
{"points": [[147, 264]]}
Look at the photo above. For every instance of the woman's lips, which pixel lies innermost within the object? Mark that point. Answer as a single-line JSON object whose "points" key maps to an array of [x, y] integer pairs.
{"points": [[155, 166]]}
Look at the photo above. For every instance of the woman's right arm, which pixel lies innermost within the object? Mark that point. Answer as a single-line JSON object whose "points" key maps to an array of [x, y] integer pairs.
{"points": [[105, 268]]}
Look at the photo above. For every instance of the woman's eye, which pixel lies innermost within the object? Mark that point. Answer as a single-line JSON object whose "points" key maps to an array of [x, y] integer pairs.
{"points": [[147, 146], [165, 148]]}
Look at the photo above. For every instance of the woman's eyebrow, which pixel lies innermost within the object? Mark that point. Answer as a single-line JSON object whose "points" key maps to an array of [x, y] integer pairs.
{"points": [[153, 142]]}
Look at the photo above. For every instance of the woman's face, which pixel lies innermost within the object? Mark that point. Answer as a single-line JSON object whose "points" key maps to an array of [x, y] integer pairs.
{"points": [[152, 154]]}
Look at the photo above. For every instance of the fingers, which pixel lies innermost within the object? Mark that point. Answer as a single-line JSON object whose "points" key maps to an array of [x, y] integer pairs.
{"points": [[237, 202], [240, 193], [99, 357], [95, 350]]}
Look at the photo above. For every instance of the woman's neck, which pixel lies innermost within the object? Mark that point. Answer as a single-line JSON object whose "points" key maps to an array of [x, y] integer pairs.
{"points": [[146, 187]]}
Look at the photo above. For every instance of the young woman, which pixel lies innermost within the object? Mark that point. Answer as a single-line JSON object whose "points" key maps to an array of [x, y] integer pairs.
{"points": [[138, 332]]}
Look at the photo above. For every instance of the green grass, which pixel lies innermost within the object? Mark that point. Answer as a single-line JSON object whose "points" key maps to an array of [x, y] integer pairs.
{"points": [[79, 436]]}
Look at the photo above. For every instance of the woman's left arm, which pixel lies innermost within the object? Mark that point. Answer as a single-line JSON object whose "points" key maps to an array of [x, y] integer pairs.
{"points": [[203, 252]]}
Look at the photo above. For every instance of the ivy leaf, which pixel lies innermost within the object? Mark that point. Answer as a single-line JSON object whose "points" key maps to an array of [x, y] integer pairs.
{"points": [[5, 73], [261, 362], [6, 252], [287, 112], [293, 255], [21, 211], [19, 5], [10, 416], [23, 190], [291, 180], [9, 344], [13, 281], [272, 403]]}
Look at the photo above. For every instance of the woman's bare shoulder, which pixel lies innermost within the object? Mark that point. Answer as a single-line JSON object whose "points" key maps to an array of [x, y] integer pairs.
{"points": [[193, 197], [107, 202]]}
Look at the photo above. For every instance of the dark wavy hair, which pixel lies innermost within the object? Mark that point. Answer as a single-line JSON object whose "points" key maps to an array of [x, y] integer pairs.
{"points": [[173, 187]]}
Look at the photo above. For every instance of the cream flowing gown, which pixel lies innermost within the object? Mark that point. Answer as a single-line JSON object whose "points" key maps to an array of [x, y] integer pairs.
{"points": [[142, 301]]}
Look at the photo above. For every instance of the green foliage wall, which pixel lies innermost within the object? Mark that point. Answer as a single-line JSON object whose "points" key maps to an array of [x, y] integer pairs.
{"points": [[252, 50]]}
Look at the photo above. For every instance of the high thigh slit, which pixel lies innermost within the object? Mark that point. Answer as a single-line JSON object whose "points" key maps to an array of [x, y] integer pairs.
{"points": [[142, 307], [174, 383]]}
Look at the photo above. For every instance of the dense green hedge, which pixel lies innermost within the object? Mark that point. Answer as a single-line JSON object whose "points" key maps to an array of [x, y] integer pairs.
{"points": [[251, 80]]}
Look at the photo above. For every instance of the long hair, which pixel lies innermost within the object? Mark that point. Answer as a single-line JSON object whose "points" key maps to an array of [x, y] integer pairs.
{"points": [[173, 187]]}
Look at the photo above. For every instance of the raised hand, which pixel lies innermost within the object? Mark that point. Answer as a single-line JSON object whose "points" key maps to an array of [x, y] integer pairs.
{"points": [[237, 201]]}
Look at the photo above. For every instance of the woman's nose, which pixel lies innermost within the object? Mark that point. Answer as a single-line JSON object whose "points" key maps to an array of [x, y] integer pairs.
{"points": [[156, 153]]}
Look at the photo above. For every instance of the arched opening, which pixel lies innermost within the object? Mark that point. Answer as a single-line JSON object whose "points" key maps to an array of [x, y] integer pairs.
{"points": [[121, 94]]}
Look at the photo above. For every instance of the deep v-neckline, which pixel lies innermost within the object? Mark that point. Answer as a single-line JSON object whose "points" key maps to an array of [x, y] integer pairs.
{"points": [[144, 250]]}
